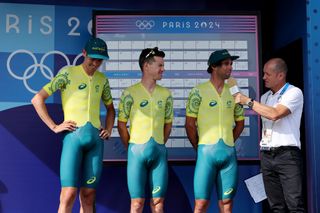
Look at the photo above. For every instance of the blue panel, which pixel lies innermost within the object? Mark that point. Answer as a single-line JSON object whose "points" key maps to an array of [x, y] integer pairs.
{"points": [[22, 75], [312, 106], [26, 26], [74, 24]]}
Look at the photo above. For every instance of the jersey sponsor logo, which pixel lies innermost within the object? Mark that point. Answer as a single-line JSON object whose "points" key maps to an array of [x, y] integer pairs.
{"points": [[156, 190], [212, 103], [144, 103], [91, 180], [229, 104], [82, 86], [229, 191], [97, 88]]}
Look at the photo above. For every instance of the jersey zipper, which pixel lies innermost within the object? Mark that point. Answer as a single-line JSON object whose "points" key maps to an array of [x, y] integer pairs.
{"points": [[89, 98]]}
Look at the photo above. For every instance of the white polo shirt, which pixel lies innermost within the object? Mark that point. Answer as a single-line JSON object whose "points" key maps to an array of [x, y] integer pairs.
{"points": [[285, 131]]}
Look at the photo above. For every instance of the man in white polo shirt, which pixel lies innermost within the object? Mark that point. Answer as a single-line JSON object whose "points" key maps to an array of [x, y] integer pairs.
{"points": [[281, 161]]}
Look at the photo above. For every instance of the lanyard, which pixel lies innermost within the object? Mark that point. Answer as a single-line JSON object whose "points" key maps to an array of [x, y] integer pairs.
{"points": [[281, 93]]}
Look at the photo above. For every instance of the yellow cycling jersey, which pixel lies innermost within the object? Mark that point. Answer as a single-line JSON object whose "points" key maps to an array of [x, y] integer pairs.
{"points": [[81, 94], [147, 112], [215, 113]]}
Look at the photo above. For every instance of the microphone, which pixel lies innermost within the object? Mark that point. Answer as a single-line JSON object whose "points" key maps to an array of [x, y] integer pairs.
{"points": [[234, 89]]}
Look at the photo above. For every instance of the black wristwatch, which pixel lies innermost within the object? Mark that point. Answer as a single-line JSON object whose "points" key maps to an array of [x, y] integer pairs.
{"points": [[250, 103]]}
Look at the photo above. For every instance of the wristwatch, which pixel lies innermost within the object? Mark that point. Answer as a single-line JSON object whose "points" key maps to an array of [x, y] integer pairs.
{"points": [[250, 103]]}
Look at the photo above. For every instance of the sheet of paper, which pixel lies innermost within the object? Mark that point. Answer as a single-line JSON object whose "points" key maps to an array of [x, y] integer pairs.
{"points": [[256, 188]]}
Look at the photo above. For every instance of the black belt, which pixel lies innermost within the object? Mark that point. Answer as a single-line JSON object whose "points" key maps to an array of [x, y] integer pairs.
{"points": [[278, 149]]}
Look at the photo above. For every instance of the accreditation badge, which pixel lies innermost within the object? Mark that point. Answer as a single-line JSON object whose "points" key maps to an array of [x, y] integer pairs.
{"points": [[266, 138]]}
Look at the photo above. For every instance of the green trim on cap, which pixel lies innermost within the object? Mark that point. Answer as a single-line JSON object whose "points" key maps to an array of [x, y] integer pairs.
{"points": [[98, 56]]}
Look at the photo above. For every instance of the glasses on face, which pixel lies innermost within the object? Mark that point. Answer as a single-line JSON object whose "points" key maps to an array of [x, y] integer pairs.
{"points": [[152, 52]]}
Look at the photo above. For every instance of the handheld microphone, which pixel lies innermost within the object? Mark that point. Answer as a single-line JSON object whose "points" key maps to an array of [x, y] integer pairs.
{"points": [[234, 89]]}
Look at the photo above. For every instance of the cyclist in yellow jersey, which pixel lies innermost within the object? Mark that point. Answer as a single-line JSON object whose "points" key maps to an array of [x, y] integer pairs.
{"points": [[82, 88], [149, 107], [213, 123]]}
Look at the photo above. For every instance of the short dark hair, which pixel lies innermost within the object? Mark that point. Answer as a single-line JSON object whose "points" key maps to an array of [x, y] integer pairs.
{"points": [[147, 55]]}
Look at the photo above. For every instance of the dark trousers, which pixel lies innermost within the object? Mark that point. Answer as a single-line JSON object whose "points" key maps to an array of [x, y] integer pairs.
{"points": [[282, 176]]}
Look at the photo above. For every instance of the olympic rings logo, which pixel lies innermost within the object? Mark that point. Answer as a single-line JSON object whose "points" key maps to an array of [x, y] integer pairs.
{"points": [[30, 71], [145, 25]]}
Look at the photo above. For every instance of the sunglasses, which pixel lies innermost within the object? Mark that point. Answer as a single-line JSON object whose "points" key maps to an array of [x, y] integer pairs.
{"points": [[152, 52]]}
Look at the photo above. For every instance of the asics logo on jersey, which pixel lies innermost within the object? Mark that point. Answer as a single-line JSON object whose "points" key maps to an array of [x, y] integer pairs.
{"points": [[212, 103], [82, 86], [156, 189], [229, 191], [144, 103], [91, 180]]}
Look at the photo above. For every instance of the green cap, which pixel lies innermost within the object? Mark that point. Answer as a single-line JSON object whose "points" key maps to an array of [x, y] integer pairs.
{"points": [[97, 48], [220, 55]]}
